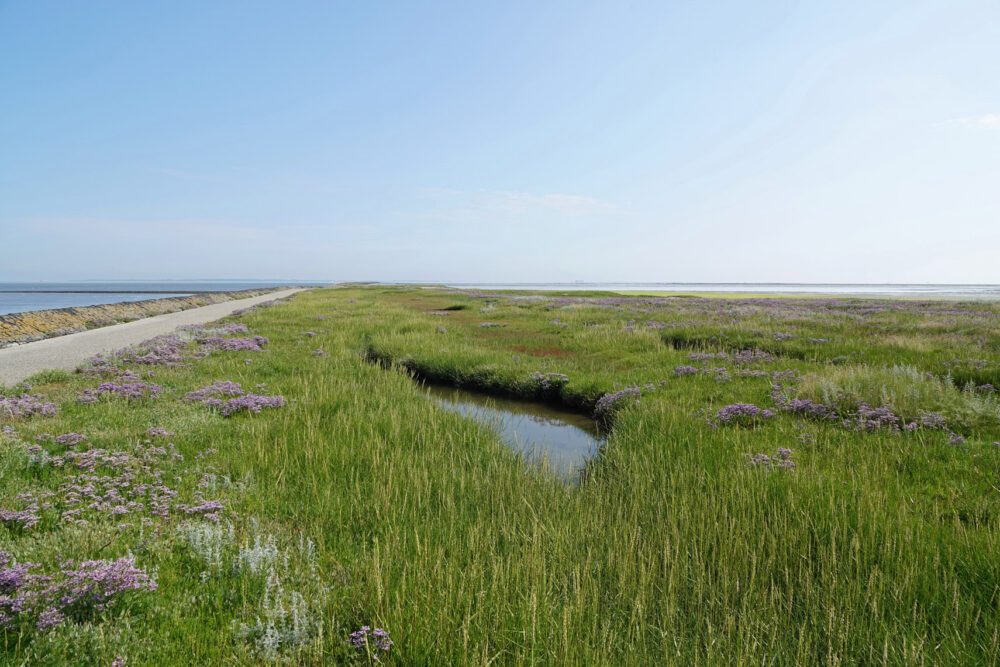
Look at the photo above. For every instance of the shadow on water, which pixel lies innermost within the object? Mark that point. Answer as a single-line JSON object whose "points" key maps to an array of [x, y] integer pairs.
{"points": [[537, 430]]}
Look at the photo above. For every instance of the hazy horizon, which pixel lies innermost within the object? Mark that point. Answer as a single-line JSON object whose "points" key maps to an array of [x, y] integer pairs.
{"points": [[771, 142]]}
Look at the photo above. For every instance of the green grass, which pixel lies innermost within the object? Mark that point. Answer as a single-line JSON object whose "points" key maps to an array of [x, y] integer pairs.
{"points": [[877, 548]]}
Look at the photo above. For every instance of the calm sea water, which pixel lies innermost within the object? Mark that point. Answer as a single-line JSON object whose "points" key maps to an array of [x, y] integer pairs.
{"points": [[24, 297]]}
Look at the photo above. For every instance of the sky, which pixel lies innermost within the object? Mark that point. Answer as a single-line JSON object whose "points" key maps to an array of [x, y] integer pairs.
{"points": [[836, 142]]}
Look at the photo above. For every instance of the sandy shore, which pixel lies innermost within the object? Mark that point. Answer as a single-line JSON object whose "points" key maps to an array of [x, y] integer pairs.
{"points": [[69, 351]]}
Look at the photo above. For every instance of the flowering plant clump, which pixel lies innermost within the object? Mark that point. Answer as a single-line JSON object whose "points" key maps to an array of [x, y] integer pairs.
{"points": [[159, 351], [20, 519], [746, 357], [862, 417], [681, 371], [373, 643], [66, 439], [227, 329], [214, 390], [128, 390], [548, 381], [707, 356], [867, 418], [318, 353], [236, 400], [955, 440], [77, 592], [782, 460], [250, 402], [247, 344], [110, 486], [26, 405], [609, 402], [740, 414]]}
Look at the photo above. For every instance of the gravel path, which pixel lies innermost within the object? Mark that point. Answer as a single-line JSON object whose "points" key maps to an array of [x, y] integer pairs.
{"points": [[68, 352]]}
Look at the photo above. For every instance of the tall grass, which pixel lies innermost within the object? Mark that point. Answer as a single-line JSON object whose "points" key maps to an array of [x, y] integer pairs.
{"points": [[877, 548], [909, 391]]}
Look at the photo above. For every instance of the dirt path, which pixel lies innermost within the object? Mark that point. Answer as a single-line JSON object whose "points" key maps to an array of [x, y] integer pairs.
{"points": [[68, 352]]}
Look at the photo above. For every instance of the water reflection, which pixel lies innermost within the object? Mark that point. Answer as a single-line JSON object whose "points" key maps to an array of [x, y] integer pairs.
{"points": [[538, 430]]}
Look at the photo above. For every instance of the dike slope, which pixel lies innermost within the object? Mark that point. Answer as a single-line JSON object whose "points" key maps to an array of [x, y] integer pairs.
{"points": [[40, 324], [68, 352]]}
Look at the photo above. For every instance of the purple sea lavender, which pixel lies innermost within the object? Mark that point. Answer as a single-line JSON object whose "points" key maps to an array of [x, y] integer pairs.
{"points": [[76, 592], [609, 402], [867, 418], [128, 390], [248, 344], [26, 405], [20, 519], [250, 403], [70, 439], [214, 390], [743, 414], [746, 357], [681, 371], [782, 460], [547, 381], [371, 642]]}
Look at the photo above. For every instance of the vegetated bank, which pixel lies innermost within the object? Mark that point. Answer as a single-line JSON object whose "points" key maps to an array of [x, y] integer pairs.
{"points": [[785, 481], [39, 324]]}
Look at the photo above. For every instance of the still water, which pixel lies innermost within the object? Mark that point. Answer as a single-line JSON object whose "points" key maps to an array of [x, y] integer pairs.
{"points": [[539, 431]]}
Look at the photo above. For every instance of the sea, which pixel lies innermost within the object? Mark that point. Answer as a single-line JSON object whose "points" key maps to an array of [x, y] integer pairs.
{"points": [[24, 297]]}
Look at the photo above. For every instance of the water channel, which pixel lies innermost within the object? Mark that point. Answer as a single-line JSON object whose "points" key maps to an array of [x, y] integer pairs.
{"points": [[537, 430]]}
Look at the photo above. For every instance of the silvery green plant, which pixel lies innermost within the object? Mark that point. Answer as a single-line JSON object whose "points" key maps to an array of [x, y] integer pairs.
{"points": [[209, 541]]}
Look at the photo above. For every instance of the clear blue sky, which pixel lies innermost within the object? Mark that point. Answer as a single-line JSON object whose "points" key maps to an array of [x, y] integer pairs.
{"points": [[501, 141]]}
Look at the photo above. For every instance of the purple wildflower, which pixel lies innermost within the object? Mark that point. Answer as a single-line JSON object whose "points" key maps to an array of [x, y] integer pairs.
{"points": [[26, 405], [782, 460], [250, 402], [609, 402], [127, 390], [214, 390], [548, 381], [71, 439], [249, 344], [743, 414], [372, 642], [77, 592]]}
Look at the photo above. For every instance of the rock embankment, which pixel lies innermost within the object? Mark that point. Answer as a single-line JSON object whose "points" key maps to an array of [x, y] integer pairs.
{"points": [[17, 328]]}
